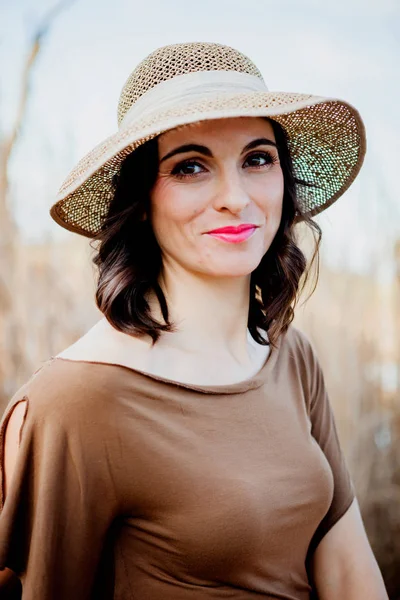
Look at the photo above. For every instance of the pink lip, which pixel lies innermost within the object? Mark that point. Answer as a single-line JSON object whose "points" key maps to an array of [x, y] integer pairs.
{"points": [[234, 235], [233, 229]]}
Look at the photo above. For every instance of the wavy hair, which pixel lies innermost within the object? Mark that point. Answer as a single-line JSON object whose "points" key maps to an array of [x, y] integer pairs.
{"points": [[129, 262]]}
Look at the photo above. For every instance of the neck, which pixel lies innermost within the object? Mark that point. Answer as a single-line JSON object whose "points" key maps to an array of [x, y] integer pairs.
{"points": [[208, 312]]}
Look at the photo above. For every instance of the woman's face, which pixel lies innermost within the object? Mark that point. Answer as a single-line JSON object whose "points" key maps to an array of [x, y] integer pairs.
{"points": [[213, 175]]}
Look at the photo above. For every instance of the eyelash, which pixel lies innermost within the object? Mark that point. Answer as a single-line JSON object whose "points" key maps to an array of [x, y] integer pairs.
{"points": [[271, 159]]}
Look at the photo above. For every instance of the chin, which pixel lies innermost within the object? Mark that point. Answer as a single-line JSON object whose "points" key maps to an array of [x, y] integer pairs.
{"points": [[241, 268]]}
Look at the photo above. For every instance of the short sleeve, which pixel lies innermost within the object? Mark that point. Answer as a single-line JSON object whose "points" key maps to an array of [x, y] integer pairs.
{"points": [[60, 501], [324, 431]]}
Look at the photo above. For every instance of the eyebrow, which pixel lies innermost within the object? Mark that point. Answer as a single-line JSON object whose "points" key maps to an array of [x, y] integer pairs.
{"points": [[207, 152]]}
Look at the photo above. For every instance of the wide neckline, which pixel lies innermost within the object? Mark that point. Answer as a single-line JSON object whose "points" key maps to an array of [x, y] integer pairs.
{"points": [[250, 383]]}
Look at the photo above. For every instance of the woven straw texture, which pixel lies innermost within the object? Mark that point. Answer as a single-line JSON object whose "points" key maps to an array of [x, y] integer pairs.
{"points": [[326, 136], [180, 59]]}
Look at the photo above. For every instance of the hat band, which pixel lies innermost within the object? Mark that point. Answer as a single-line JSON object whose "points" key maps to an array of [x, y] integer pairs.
{"points": [[184, 89]]}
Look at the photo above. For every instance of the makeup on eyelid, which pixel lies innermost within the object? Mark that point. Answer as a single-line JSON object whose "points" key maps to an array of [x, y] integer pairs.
{"points": [[269, 158]]}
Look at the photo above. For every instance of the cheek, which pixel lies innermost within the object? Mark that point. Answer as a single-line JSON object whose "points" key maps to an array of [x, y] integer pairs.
{"points": [[171, 208], [269, 196]]}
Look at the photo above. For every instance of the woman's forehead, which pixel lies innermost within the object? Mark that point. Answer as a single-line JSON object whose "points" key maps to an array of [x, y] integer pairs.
{"points": [[241, 128]]}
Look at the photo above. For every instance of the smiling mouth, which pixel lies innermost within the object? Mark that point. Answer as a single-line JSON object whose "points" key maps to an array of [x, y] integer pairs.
{"points": [[234, 228], [233, 235]]}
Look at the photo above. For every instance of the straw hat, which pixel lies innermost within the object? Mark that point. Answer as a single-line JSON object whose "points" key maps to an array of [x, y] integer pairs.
{"points": [[186, 83]]}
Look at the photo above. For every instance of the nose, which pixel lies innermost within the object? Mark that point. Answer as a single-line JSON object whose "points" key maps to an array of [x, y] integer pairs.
{"points": [[231, 193]]}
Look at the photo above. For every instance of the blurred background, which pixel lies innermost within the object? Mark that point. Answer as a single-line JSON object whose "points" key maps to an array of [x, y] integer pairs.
{"points": [[62, 66]]}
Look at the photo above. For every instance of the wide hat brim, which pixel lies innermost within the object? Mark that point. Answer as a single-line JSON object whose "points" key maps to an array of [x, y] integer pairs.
{"points": [[326, 138]]}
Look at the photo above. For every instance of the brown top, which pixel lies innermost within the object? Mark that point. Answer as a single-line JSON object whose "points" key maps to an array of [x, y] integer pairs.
{"points": [[129, 486]]}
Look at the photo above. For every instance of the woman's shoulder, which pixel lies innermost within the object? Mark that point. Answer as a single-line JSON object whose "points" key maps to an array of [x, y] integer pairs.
{"points": [[80, 377], [63, 389], [298, 355], [298, 341]]}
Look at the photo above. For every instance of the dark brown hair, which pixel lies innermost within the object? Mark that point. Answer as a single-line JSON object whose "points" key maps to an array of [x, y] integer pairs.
{"points": [[129, 259]]}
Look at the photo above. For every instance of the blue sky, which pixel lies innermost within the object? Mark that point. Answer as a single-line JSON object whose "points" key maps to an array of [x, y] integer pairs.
{"points": [[347, 49]]}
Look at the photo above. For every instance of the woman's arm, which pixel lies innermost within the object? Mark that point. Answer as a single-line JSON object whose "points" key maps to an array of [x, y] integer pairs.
{"points": [[61, 497], [10, 587], [11, 441], [343, 565]]}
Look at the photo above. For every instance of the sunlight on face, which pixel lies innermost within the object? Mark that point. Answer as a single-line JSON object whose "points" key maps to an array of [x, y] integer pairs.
{"points": [[213, 175]]}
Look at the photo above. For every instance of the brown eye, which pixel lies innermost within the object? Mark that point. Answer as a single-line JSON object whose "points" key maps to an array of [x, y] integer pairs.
{"points": [[259, 159], [187, 168]]}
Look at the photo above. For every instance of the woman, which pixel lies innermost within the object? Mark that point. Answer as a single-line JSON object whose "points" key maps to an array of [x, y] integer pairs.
{"points": [[185, 446]]}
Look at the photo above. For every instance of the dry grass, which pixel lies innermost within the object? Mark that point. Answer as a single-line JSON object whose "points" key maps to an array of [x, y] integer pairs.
{"points": [[354, 324]]}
